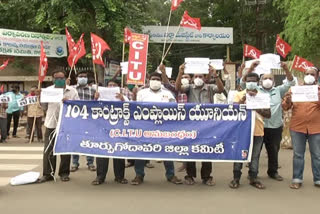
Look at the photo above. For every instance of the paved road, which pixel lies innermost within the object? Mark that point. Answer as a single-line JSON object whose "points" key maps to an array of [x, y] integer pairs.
{"points": [[154, 196]]}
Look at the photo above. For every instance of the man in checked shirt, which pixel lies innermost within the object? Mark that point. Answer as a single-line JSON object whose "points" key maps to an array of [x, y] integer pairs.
{"points": [[85, 92]]}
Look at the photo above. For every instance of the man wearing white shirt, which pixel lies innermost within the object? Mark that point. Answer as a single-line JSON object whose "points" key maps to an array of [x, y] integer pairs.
{"points": [[154, 93], [51, 121]]}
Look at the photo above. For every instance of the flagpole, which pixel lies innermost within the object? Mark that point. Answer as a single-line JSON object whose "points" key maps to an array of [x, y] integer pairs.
{"points": [[95, 76], [170, 45], [123, 50], [166, 35], [35, 117], [292, 63]]}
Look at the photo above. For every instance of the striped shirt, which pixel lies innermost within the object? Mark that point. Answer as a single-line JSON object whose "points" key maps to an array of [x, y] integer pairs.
{"points": [[86, 92]]}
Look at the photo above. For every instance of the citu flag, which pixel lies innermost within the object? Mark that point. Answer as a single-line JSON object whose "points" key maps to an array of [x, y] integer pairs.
{"points": [[98, 46]]}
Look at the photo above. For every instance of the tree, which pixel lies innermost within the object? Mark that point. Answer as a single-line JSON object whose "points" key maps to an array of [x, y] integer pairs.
{"points": [[301, 27]]}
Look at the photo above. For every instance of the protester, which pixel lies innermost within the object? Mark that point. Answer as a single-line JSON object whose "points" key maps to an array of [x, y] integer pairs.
{"points": [[273, 127], [52, 115], [154, 94], [35, 112], [14, 110], [251, 80], [199, 92], [118, 164], [305, 126], [85, 92], [3, 122]]}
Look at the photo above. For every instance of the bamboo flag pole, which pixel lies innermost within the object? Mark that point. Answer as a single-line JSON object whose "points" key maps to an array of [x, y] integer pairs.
{"points": [[95, 76], [166, 35], [35, 117], [292, 63], [170, 45], [123, 51]]}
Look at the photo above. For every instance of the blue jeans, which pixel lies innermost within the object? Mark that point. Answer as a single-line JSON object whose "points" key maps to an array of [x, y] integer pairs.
{"points": [[139, 168], [75, 160], [254, 164], [299, 141]]}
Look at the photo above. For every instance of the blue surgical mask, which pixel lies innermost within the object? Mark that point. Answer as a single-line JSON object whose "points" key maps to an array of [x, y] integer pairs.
{"points": [[82, 81], [251, 85]]}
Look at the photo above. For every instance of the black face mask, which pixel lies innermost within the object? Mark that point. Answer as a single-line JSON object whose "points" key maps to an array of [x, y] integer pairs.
{"points": [[14, 90]]}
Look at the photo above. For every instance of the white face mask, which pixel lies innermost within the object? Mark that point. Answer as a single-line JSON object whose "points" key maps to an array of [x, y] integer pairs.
{"points": [[267, 83], [155, 85], [226, 76], [184, 81], [198, 81], [251, 85], [309, 79]]}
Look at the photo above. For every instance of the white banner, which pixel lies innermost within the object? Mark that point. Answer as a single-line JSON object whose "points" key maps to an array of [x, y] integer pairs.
{"points": [[207, 35], [23, 43], [260, 101], [27, 101]]}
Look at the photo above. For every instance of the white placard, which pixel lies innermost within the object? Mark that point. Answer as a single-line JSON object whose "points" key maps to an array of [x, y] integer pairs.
{"points": [[217, 63], [5, 98], [260, 69], [27, 101], [306, 93], [197, 65], [108, 94], [124, 67], [51, 95], [169, 72], [231, 96], [271, 60], [260, 101]]}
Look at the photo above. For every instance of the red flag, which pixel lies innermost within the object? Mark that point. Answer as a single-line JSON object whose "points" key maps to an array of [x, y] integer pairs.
{"points": [[251, 52], [4, 65], [175, 4], [76, 52], [301, 64], [43, 64], [98, 46], [2, 89], [127, 35], [70, 41], [137, 63], [190, 22], [282, 47]]}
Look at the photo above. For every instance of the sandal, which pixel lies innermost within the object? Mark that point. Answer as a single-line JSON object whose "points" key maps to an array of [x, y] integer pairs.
{"points": [[257, 184], [234, 184], [189, 180], [92, 168], [137, 180], [74, 168], [97, 181], [175, 180], [295, 185], [121, 180], [65, 178], [209, 182]]}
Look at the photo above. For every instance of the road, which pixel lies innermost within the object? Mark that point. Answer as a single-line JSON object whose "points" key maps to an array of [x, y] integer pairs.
{"points": [[154, 196]]}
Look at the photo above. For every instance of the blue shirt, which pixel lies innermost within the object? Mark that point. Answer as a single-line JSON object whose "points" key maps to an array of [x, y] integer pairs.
{"points": [[13, 105]]}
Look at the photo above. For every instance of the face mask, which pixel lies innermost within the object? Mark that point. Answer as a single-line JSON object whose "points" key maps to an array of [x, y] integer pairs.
{"points": [[226, 76], [130, 86], [82, 81], [33, 94], [184, 81], [155, 85], [14, 90], [251, 85], [59, 83], [309, 79], [198, 82], [267, 83]]}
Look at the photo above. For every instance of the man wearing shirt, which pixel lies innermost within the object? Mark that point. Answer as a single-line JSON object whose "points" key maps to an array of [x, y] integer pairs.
{"points": [[154, 93], [305, 126], [85, 92], [53, 111], [251, 80], [273, 127], [199, 92], [13, 110]]}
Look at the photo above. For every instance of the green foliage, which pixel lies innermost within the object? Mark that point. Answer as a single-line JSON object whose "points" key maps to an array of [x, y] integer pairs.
{"points": [[302, 26]]}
